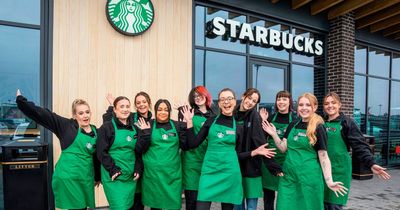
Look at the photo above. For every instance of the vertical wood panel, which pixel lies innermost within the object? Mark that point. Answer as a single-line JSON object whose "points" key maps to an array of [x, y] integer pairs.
{"points": [[91, 58]]}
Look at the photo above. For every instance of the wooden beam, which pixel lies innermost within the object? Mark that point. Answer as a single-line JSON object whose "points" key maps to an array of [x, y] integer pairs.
{"points": [[397, 36], [373, 7], [274, 1], [299, 3], [385, 23], [392, 30], [374, 18], [321, 5], [346, 7]]}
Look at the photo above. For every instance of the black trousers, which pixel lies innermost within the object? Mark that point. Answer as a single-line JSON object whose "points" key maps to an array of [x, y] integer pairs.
{"points": [[138, 205], [204, 205], [331, 206], [269, 199], [191, 198]]}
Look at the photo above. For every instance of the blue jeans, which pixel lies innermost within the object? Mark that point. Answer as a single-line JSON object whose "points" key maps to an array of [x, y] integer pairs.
{"points": [[251, 204]]}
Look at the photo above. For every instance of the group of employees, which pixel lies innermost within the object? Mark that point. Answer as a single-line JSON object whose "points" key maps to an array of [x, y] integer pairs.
{"points": [[232, 156]]}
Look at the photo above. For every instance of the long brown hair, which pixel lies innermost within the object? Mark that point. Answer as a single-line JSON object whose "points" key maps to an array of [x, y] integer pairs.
{"points": [[315, 119]]}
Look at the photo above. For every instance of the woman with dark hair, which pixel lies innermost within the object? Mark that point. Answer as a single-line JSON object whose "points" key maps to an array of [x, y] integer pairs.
{"points": [[162, 176], [142, 106], [343, 134], [192, 160], [120, 156], [304, 142], [252, 149], [281, 119], [77, 170]]}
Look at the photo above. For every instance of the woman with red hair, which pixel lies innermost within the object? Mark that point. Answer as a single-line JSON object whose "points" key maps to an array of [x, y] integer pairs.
{"points": [[192, 160]]}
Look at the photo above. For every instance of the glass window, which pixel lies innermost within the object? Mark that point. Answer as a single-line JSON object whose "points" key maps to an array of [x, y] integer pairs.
{"points": [[379, 62], [360, 59], [396, 66], [394, 140], [19, 68], [269, 51], [299, 57], [302, 81], [378, 113], [218, 42], [24, 11], [200, 26], [225, 70], [199, 68], [360, 89]]}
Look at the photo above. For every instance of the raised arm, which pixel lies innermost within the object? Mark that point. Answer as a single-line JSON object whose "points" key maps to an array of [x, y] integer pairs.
{"points": [[281, 144]]}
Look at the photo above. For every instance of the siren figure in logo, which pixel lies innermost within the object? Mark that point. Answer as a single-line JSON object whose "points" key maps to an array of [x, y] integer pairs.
{"points": [[131, 16]]}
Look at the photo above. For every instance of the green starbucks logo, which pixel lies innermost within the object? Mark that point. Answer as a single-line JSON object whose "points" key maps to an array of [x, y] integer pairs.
{"points": [[130, 17]]}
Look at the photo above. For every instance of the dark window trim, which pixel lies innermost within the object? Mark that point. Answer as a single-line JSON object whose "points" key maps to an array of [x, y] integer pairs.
{"points": [[19, 25]]}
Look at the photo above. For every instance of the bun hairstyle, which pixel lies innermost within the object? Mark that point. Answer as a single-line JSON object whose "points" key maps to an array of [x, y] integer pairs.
{"points": [[145, 95], [201, 90], [120, 98], [284, 94], [315, 119], [78, 102]]}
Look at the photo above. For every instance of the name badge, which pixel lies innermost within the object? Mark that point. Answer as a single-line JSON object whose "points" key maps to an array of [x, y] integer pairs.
{"points": [[172, 134], [230, 132]]}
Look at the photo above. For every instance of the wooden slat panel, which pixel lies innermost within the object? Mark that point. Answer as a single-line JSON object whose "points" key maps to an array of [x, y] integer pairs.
{"points": [[299, 3], [382, 15], [391, 30], [90, 58], [346, 7], [321, 5], [373, 7], [385, 23]]}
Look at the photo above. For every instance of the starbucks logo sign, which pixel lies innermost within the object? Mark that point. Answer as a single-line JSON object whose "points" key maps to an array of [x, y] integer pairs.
{"points": [[130, 17]]}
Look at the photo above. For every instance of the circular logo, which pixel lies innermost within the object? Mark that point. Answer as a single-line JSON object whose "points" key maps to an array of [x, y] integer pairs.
{"points": [[130, 17], [164, 136], [220, 135], [89, 145], [129, 138]]}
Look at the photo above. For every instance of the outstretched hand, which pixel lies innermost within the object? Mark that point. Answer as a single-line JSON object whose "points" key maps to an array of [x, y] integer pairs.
{"points": [[337, 188], [110, 98], [264, 114], [18, 93], [187, 113], [142, 124], [269, 128], [380, 171], [264, 151]]}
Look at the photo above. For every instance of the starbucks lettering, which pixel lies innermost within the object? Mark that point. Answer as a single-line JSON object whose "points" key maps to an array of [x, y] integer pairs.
{"points": [[260, 36]]}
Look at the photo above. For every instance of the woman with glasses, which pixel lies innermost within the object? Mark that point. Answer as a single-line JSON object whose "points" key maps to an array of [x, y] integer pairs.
{"points": [[192, 160]]}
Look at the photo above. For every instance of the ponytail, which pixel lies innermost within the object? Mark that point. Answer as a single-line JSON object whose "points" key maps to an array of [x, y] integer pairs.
{"points": [[313, 123]]}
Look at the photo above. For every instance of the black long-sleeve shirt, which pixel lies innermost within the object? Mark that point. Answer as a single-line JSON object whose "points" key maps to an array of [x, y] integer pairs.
{"points": [[105, 141], [65, 129], [320, 133], [354, 139], [110, 114]]}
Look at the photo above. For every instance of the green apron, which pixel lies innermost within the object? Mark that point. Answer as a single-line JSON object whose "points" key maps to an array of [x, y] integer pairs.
{"points": [[270, 181], [120, 192], [139, 181], [302, 185], [73, 178], [162, 176], [340, 161], [221, 180], [192, 160]]}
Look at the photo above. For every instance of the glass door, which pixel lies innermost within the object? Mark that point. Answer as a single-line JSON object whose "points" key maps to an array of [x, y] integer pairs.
{"points": [[269, 78]]}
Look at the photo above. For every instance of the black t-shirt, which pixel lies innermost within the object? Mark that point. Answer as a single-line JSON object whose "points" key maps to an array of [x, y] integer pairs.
{"points": [[320, 133]]}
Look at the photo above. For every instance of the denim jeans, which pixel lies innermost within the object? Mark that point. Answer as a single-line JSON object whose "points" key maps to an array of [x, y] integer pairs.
{"points": [[251, 204]]}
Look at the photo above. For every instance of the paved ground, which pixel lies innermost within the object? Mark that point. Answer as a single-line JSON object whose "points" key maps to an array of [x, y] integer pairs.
{"points": [[366, 194]]}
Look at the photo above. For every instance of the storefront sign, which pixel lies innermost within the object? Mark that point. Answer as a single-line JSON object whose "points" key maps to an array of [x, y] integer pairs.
{"points": [[130, 17], [260, 36]]}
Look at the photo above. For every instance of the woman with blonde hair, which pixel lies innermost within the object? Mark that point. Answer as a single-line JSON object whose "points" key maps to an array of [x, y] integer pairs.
{"points": [[343, 134], [305, 145]]}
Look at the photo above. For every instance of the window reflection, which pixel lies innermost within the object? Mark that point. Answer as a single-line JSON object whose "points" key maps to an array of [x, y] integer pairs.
{"points": [[378, 113], [218, 42], [302, 81], [24, 11], [360, 59], [396, 66], [360, 89], [394, 141], [379, 62], [270, 51], [199, 67], [19, 68], [225, 70], [299, 57], [199, 25]]}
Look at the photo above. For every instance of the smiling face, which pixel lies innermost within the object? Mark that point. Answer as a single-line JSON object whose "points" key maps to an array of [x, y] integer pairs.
{"points": [[226, 102], [162, 115], [122, 109], [332, 107], [283, 104], [82, 115], [305, 109], [142, 105], [249, 102], [199, 99]]}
